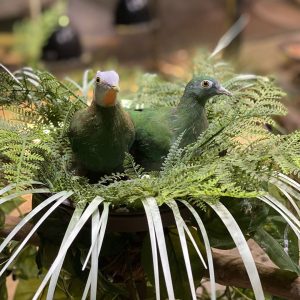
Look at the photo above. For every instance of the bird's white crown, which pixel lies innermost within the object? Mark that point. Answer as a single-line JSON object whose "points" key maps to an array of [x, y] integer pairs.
{"points": [[110, 77]]}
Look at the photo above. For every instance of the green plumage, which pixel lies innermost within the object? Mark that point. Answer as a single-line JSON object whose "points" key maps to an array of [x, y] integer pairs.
{"points": [[157, 129], [99, 138], [153, 136], [189, 119]]}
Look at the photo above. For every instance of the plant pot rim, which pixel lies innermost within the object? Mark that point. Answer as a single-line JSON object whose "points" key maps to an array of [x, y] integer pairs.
{"points": [[134, 221]]}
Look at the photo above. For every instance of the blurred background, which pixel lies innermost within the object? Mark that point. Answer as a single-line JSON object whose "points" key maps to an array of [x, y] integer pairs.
{"points": [[134, 36], [162, 36], [68, 36]]}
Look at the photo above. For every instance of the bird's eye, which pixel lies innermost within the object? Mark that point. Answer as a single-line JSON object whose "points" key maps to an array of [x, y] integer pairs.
{"points": [[206, 84], [97, 79]]}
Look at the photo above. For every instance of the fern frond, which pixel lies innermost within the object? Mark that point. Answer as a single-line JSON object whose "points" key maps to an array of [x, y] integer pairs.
{"points": [[174, 155], [24, 153], [131, 168], [154, 92], [106, 179]]}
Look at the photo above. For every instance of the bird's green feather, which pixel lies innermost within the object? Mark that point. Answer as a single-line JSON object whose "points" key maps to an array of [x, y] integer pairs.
{"points": [[100, 137], [157, 128]]}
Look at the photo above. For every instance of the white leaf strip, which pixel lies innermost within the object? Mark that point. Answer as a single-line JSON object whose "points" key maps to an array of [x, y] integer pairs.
{"points": [[22, 193], [74, 219], [242, 247], [290, 181], [194, 244], [93, 244], [13, 185], [292, 190], [28, 217], [94, 260], [74, 83], [288, 196], [284, 209], [179, 224], [207, 248], [10, 73], [32, 231], [282, 213], [229, 36], [160, 237], [153, 249], [73, 234], [102, 231]]}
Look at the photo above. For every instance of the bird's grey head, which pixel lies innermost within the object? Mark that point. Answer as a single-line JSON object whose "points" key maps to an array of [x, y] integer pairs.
{"points": [[202, 88], [106, 88]]}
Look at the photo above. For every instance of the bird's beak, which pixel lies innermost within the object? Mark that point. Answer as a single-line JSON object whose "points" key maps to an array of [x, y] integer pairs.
{"points": [[116, 88], [222, 91]]}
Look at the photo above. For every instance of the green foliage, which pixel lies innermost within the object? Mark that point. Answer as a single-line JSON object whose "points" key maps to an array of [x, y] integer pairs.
{"points": [[31, 34], [276, 251], [42, 98], [27, 288], [87, 81], [155, 92], [106, 179], [3, 289], [174, 156], [36, 127], [23, 151], [234, 157], [218, 69], [132, 170], [230, 293], [24, 267], [232, 161]]}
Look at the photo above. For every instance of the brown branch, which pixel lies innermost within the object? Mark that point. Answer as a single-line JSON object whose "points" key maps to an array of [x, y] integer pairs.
{"points": [[230, 271], [11, 222], [229, 268]]}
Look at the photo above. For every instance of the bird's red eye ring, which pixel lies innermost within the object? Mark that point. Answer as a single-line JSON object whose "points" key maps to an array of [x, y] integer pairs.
{"points": [[97, 79], [206, 84]]}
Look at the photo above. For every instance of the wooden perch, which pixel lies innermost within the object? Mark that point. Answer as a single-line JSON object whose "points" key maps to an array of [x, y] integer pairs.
{"points": [[229, 268], [230, 271], [11, 222]]}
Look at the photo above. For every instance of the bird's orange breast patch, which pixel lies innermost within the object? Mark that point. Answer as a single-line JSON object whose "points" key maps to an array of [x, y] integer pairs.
{"points": [[110, 98]]}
